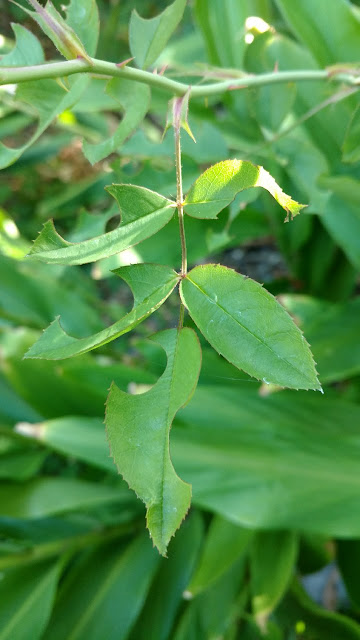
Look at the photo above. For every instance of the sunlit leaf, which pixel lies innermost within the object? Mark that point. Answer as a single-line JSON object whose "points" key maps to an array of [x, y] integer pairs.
{"points": [[143, 213], [138, 429], [150, 284], [247, 325], [219, 185], [148, 38]]}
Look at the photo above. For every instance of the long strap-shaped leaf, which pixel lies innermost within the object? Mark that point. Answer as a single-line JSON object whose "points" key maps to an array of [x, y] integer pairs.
{"points": [[143, 213], [151, 284], [138, 428], [248, 326], [219, 185]]}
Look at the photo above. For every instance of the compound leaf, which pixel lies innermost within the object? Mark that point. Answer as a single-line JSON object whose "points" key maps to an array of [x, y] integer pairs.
{"points": [[143, 213], [134, 97], [151, 284], [148, 38], [219, 185], [248, 326], [138, 429]]}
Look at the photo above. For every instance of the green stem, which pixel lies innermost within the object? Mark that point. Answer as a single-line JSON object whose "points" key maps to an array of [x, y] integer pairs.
{"points": [[13, 75], [58, 547], [177, 107]]}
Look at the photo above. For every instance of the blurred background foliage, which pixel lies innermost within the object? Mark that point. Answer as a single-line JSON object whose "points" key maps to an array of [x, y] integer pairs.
{"points": [[275, 476]]}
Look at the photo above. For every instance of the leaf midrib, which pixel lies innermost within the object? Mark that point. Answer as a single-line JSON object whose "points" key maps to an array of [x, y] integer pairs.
{"points": [[245, 328]]}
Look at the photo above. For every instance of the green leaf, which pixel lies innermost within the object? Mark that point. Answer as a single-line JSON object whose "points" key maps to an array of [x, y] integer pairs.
{"points": [[272, 559], [27, 50], [341, 218], [45, 496], [148, 38], [219, 185], [76, 436], [143, 213], [286, 461], [103, 593], [83, 17], [21, 465], [247, 325], [333, 332], [214, 613], [48, 99], [317, 623], [134, 98], [166, 594], [223, 26], [26, 599], [150, 284], [330, 30], [138, 429], [350, 148], [225, 543]]}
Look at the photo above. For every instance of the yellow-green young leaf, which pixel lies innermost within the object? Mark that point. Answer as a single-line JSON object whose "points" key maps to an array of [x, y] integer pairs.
{"points": [[272, 558], [134, 97], [219, 185], [143, 213], [151, 284], [248, 326], [138, 430], [148, 38]]}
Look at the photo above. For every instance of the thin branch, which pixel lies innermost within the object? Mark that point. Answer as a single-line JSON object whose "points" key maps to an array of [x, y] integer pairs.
{"points": [[13, 75]]}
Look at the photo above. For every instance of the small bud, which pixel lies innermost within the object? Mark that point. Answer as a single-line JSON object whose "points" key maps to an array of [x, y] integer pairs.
{"points": [[54, 26], [177, 115]]}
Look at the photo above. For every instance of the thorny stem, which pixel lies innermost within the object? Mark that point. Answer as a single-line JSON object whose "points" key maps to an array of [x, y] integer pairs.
{"points": [[177, 107], [13, 75]]}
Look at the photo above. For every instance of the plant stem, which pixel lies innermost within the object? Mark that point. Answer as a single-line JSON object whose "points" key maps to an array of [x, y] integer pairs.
{"points": [[177, 115], [13, 75], [58, 547]]}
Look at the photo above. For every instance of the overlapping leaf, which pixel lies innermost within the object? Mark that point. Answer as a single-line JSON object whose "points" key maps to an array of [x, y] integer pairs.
{"points": [[247, 325], [138, 429], [114, 584], [143, 213], [287, 461], [134, 97], [47, 97], [148, 38], [150, 284], [219, 185]]}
